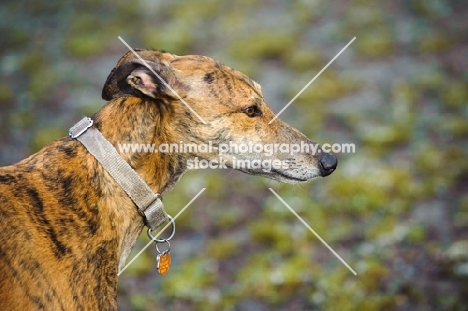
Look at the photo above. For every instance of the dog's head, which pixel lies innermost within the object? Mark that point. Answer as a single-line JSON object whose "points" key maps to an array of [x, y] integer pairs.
{"points": [[211, 103]]}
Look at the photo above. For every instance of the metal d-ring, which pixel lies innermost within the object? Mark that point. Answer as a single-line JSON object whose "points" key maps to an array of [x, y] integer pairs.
{"points": [[150, 235]]}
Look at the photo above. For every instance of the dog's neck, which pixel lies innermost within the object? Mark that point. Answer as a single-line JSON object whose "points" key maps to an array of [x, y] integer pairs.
{"points": [[140, 122]]}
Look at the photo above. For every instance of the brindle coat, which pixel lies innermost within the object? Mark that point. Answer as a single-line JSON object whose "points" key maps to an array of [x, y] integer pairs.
{"points": [[66, 226]]}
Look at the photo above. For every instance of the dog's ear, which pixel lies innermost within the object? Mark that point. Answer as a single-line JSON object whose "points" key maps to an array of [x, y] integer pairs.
{"points": [[134, 78]]}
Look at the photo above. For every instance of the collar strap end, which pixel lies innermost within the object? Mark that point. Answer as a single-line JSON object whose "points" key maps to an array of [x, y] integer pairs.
{"points": [[154, 214]]}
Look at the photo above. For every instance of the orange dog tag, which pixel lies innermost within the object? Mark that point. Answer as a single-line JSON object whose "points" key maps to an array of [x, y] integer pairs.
{"points": [[164, 262]]}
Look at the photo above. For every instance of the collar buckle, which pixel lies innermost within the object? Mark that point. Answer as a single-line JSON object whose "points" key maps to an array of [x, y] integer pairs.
{"points": [[79, 128]]}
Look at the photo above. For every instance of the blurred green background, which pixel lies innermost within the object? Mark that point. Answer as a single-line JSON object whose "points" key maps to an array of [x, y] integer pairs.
{"points": [[396, 210]]}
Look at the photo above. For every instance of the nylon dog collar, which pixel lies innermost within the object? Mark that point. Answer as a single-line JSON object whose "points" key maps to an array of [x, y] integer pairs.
{"points": [[149, 203]]}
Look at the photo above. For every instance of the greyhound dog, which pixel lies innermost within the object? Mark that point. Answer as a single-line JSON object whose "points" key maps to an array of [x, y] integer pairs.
{"points": [[66, 223]]}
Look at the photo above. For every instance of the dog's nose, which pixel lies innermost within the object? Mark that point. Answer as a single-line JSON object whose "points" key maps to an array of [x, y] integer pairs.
{"points": [[328, 163]]}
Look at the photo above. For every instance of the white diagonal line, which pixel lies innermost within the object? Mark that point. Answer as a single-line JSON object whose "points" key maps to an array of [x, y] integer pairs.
{"points": [[312, 230], [149, 243], [310, 82], [162, 80]]}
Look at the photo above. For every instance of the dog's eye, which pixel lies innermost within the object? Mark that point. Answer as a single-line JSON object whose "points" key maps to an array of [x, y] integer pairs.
{"points": [[252, 111]]}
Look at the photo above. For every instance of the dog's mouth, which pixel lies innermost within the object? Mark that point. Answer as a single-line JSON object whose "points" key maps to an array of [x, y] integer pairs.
{"points": [[277, 175], [292, 174], [283, 177], [290, 178]]}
